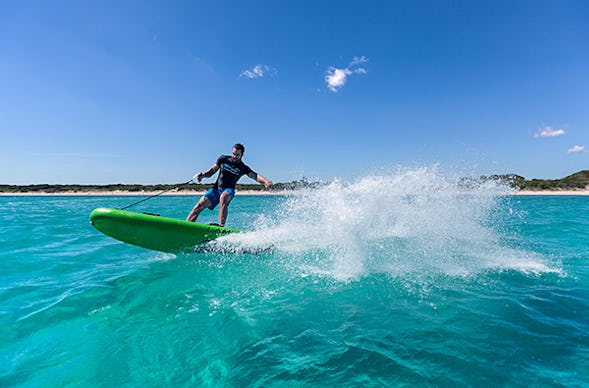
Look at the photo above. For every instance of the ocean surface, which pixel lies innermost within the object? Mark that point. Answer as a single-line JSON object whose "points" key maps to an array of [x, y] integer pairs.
{"points": [[400, 280]]}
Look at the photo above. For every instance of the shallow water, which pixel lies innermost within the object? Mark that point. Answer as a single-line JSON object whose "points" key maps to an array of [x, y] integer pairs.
{"points": [[422, 283]]}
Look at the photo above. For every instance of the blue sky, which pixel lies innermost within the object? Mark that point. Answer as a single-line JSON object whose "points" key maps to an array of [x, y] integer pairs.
{"points": [[98, 92]]}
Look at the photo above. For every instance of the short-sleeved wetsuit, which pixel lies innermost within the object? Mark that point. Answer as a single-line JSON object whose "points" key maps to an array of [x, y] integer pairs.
{"points": [[230, 172]]}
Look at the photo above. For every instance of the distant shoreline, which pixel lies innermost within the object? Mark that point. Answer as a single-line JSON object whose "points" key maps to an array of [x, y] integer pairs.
{"points": [[188, 193], [575, 184]]}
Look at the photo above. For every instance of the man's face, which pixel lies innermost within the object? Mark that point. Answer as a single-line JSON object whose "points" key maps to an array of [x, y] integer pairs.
{"points": [[236, 154]]}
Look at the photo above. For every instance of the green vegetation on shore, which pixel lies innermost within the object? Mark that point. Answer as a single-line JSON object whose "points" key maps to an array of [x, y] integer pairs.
{"points": [[139, 188], [576, 181]]}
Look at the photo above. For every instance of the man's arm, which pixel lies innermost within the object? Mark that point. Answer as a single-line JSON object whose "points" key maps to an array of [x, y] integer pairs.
{"points": [[258, 178], [207, 174]]}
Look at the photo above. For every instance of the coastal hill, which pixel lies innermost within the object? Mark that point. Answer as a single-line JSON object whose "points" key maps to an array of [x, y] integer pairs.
{"points": [[576, 181]]}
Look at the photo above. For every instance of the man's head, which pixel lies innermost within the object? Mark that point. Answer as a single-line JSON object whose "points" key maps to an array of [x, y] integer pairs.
{"points": [[237, 151]]}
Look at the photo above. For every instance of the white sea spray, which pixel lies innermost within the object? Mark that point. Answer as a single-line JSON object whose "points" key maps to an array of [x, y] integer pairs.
{"points": [[414, 221]]}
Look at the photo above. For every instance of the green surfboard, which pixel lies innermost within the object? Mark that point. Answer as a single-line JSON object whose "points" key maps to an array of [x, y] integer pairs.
{"points": [[154, 232]]}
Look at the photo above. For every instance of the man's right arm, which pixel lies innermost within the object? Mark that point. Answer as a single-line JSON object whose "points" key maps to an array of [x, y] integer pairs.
{"points": [[206, 174]]}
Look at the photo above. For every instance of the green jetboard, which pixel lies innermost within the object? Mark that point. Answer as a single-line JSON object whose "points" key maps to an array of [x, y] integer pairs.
{"points": [[154, 232]]}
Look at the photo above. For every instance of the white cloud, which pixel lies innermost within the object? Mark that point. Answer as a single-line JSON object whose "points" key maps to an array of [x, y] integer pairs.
{"points": [[258, 71], [336, 78], [577, 149], [358, 61], [548, 131]]}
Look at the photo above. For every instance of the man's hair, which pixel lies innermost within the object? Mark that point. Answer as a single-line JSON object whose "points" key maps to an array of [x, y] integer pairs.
{"points": [[239, 146]]}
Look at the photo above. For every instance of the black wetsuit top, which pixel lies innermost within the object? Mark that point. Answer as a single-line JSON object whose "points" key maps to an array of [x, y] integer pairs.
{"points": [[230, 172]]}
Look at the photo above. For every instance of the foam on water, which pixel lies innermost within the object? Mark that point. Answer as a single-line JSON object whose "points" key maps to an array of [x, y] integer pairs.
{"points": [[412, 221]]}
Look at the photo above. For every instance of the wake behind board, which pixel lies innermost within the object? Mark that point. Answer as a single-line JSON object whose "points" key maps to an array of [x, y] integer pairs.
{"points": [[154, 232]]}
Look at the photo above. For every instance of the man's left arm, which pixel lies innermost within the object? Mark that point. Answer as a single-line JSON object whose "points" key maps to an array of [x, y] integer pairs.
{"points": [[259, 178]]}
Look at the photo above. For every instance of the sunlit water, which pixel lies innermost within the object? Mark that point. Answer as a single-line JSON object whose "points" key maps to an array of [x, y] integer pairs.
{"points": [[404, 279]]}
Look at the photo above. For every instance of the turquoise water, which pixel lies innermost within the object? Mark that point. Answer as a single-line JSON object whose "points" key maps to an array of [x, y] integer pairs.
{"points": [[350, 285]]}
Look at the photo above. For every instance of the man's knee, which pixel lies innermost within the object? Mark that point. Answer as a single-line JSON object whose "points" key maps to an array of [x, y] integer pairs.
{"points": [[225, 198], [202, 204]]}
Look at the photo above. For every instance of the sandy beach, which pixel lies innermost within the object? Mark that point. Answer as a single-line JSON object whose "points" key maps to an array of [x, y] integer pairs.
{"points": [[550, 192]]}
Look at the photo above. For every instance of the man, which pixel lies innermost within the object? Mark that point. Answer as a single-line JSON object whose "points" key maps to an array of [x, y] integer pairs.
{"points": [[230, 168]]}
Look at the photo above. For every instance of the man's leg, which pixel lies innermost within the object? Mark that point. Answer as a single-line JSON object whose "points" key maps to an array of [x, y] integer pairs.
{"points": [[201, 205], [224, 207]]}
